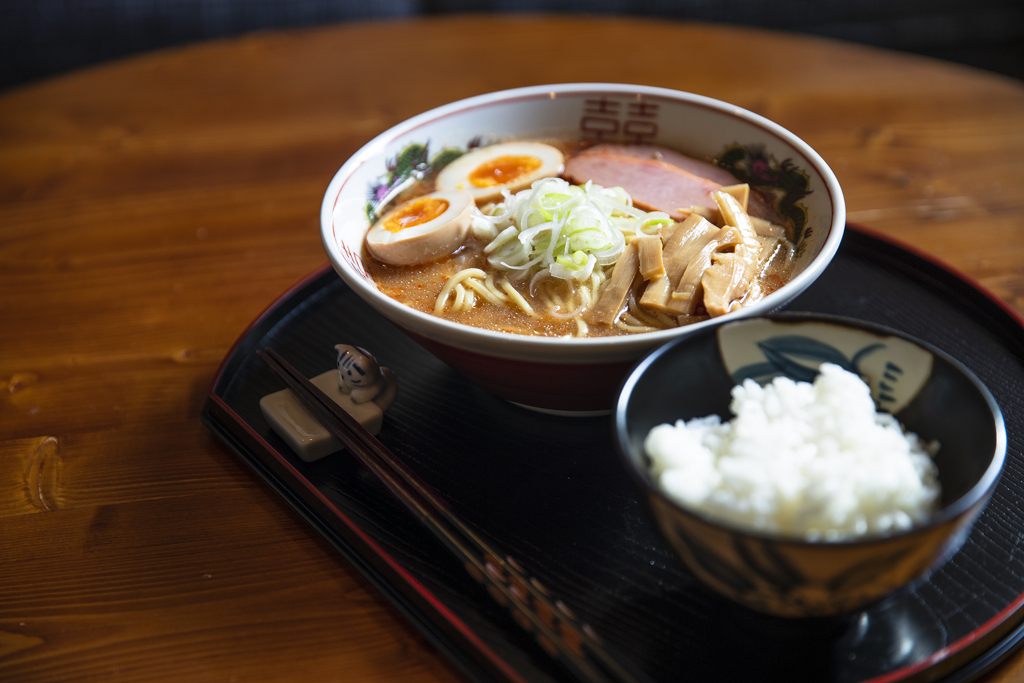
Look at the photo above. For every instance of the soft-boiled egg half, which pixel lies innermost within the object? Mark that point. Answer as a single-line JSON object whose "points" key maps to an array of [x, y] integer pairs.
{"points": [[511, 166], [423, 229]]}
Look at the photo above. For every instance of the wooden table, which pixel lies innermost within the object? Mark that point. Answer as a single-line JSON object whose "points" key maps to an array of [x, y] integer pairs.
{"points": [[150, 209]]}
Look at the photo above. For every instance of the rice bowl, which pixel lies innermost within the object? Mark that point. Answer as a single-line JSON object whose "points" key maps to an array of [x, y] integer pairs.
{"points": [[788, 575]]}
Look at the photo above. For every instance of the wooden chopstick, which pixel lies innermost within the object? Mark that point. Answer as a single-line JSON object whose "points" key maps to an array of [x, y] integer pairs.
{"points": [[549, 620]]}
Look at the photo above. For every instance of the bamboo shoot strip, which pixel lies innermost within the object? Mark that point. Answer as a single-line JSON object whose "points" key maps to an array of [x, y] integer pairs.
{"points": [[613, 298], [741, 193], [651, 264], [728, 279], [692, 236], [689, 292], [767, 229], [769, 246]]}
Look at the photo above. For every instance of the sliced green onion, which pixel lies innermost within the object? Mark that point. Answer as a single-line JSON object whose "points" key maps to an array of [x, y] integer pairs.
{"points": [[567, 230]]}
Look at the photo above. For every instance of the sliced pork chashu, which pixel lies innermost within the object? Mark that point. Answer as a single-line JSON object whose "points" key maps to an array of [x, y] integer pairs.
{"points": [[654, 185], [695, 166], [633, 166]]}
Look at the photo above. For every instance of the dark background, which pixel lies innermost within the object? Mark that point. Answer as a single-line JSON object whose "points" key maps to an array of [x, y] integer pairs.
{"points": [[40, 38]]}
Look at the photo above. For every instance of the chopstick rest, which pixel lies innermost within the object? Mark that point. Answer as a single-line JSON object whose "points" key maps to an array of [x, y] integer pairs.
{"points": [[359, 386]]}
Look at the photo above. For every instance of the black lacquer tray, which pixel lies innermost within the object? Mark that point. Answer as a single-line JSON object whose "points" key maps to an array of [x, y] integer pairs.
{"points": [[551, 492]]}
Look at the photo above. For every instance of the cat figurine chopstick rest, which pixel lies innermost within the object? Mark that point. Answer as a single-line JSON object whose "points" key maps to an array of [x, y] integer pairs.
{"points": [[358, 384], [362, 379]]}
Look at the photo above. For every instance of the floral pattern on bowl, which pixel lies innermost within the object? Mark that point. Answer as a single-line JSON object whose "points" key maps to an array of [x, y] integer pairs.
{"points": [[413, 163]]}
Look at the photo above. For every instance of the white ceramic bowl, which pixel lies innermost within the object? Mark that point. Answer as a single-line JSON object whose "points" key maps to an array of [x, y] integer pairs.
{"points": [[577, 375]]}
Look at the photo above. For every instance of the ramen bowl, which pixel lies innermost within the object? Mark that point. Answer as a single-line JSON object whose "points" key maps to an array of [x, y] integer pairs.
{"points": [[930, 393], [581, 375]]}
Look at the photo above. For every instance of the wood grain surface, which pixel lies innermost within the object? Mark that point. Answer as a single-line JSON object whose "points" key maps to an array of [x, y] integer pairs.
{"points": [[151, 208]]}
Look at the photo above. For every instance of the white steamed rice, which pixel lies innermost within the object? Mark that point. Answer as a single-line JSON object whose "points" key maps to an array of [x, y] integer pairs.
{"points": [[800, 460]]}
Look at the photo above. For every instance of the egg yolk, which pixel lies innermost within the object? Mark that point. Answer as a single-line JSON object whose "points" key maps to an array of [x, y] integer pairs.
{"points": [[416, 212], [503, 169]]}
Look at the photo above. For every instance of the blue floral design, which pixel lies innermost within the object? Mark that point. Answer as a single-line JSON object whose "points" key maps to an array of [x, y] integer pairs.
{"points": [[782, 355]]}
